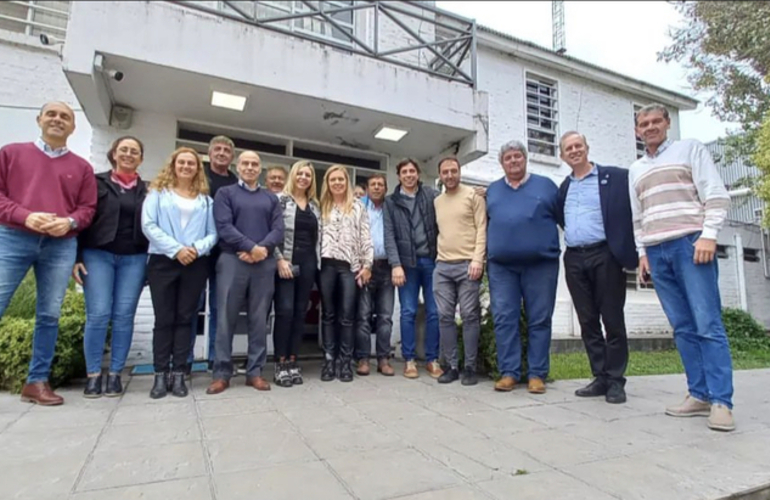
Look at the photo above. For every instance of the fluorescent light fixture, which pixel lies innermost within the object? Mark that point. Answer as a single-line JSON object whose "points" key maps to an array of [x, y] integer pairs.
{"points": [[387, 133], [229, 101]]}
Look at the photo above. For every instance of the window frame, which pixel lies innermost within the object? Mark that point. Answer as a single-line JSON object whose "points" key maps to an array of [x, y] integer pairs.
{"points": [[553, 108]]}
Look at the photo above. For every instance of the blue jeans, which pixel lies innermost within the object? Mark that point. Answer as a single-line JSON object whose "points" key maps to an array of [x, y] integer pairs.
{"points": [[52, 260], [112, 288], [408, 297], [508, 285], [212, 318], [689, 294]]}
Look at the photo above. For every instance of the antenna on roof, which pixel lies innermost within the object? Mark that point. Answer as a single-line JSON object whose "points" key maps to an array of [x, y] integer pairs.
{"points": [[557, 16]]}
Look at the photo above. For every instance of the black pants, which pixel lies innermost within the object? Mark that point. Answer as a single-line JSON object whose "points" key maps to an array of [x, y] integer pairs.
{"points": [[338, 300], [291, 299], [597, 284], [376, 298], [175, 290]]}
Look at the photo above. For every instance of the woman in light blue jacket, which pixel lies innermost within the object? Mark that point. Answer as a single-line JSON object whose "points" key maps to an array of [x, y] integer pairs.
{"points": [[178, 221]]}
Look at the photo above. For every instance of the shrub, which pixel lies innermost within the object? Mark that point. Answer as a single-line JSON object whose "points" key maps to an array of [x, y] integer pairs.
{"points": [[743, 331], [16, 345], [23, 302]]}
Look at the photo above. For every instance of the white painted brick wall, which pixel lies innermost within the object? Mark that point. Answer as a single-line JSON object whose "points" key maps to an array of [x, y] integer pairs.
{"points": [[758, 292]]}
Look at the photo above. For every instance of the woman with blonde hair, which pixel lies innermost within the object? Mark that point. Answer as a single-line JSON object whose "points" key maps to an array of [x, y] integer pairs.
{"points": [[178, 221], [298, 259], [346, 262]]}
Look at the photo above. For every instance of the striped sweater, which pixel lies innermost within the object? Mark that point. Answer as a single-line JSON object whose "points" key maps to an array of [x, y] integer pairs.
{"points": [[675, 193]]}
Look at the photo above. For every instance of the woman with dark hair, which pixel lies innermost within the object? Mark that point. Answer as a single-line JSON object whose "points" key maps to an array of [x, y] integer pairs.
{"points": [[178, 220], [297, 262], [347, 256], [112, 255]]}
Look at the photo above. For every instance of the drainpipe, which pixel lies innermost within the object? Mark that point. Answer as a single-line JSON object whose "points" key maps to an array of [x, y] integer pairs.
{"points": [[740, 271]]}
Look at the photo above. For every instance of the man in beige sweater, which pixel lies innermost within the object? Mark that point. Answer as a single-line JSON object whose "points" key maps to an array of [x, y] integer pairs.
{"points": [[461, 216]]}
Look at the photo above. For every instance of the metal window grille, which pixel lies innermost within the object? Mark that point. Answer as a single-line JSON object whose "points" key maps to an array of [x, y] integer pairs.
{"points": [[542, 120], [35, 17]]}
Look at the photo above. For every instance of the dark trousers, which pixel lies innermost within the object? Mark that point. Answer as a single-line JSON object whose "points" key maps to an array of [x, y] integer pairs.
{"points": [[239, 283], [175, 290], [376, 298], [338, 300], [291, 299], [597, 284]]}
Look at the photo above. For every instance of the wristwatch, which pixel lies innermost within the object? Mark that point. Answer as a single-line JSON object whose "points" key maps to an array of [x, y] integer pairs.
{"points": [[73, 223]]}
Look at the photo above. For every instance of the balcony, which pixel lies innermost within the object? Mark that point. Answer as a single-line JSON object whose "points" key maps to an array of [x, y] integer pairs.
{"points": [[333, 72]]}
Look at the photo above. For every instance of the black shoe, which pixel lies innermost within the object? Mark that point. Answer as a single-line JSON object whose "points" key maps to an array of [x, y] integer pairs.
{"points": [[597, 387], [616, 394], [281, 375], [178, 389], [469, 376], [448, 376], [114, 386], [328, 372], [93, 388], [160, 386], [296, 373], [346, 371]]}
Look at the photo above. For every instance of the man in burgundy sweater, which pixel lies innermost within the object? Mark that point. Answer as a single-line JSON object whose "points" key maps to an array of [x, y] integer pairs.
{"points": [[47, 195]]}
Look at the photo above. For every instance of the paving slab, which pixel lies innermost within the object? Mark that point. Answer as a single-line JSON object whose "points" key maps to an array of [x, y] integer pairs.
{"points": [[382, 438]]}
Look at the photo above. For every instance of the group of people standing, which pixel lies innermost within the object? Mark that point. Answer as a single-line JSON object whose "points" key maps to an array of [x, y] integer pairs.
{"points": [[259, 246]]}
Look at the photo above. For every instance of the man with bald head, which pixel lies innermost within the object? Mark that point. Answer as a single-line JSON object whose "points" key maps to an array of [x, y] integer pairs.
{"points": [[47, 195], [249, 222], [595, 212]]}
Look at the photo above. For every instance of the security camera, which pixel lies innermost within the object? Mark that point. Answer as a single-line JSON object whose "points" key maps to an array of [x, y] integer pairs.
{"points": [[50, 40], [115, 74]]}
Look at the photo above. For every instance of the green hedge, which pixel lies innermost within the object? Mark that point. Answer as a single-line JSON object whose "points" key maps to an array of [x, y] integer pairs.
{"points": [[16, 328], [743, 331]]}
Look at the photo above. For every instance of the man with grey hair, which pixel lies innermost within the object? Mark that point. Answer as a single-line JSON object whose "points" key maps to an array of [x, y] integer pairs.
{"points": [[523, 259], [676, 232], [595, 213], [221, 152]]}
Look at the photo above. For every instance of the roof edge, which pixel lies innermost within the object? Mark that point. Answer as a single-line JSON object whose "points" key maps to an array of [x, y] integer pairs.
{"points": [[536, 53]]}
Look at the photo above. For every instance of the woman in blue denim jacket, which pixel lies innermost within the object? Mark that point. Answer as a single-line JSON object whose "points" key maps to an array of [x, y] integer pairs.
{"points": [[178, 220]]}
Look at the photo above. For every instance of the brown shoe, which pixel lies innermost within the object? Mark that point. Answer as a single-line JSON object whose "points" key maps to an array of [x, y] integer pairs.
{"points": [[363, 367], [40, 393], [383, 366], [434, 369], [505, 384], [218, 385], [258, 383], [536, 385], [410, 370]]}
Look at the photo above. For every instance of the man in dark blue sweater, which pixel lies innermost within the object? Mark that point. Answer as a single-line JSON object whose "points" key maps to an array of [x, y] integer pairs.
{"points": [[523, 254], [250, 224]]}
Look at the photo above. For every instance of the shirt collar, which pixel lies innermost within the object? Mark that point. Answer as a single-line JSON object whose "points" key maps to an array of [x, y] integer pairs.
{"points": [[594, 171], [45, 148], [664, 146], [523, 181], [246, 186]]}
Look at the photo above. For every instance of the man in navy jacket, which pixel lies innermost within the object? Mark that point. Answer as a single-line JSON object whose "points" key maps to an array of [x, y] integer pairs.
{"points": [[595, 212]]}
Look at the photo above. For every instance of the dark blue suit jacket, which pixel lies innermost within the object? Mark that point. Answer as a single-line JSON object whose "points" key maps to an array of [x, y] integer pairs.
{"points": [[616, 213]]}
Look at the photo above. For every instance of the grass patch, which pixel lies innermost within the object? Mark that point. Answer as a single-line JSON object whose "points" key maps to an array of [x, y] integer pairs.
{"points": [[575, 364]]}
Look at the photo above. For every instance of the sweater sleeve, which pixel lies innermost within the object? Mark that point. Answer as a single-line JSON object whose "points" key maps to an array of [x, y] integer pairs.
{"points": [[86, 202], [636, 213], [10, 211], [275, 237], [204, 245], [711, 190], [480, 221]]}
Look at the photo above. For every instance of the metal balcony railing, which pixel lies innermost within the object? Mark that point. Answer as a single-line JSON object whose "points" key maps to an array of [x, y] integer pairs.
{"points": [[35, 17], [409, 34]]}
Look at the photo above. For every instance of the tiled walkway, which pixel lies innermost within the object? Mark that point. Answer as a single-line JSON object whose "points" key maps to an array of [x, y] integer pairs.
{"points": [[381, 438]]}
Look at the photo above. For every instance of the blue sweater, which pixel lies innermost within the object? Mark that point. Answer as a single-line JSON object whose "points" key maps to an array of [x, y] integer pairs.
{"points": [[522, 222], [247, 218]]}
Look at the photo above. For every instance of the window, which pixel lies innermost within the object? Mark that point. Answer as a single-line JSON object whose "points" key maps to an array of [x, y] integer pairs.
{"points": [[633, 283], [639, 143], [750, 255], [542, 118], [313, 25], [35, 17]]}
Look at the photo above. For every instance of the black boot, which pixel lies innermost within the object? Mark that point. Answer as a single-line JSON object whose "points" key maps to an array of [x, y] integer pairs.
{"points": [[346, 371], [178, 387], [114, 386], [160, 386], [93, 388], [328, 372]]}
